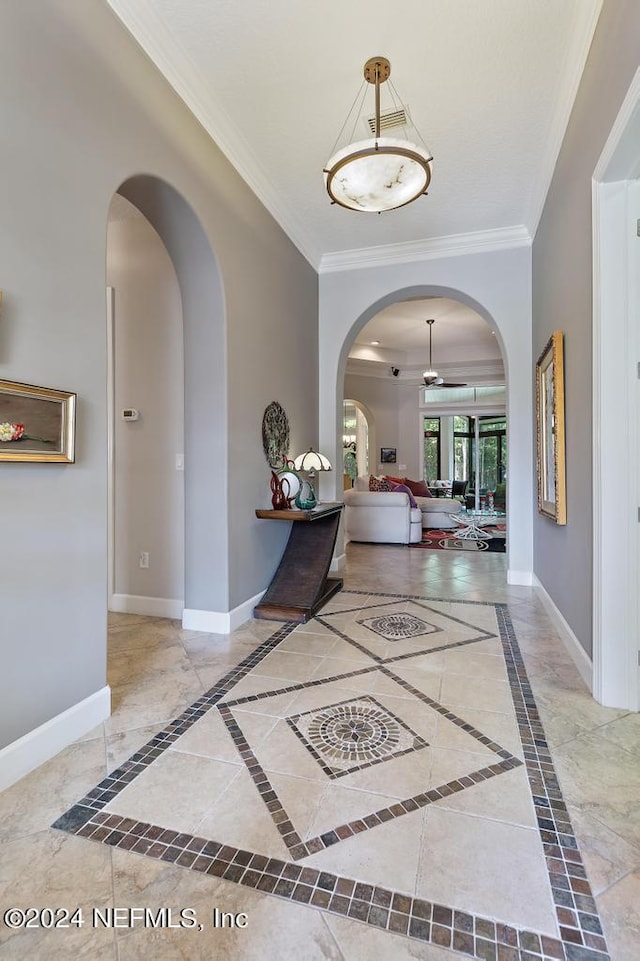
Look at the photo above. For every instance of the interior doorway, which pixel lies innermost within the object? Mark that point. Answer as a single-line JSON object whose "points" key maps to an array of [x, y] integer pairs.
{"points": [[616, 411], [146, 419], [355, 441]]}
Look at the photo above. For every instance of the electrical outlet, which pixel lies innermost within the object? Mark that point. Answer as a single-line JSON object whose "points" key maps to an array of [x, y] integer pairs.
{"points": [[144, 559]]}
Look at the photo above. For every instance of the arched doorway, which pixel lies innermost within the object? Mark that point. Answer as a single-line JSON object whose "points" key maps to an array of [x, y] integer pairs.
{"points": [[206, 563], [347, 308]]}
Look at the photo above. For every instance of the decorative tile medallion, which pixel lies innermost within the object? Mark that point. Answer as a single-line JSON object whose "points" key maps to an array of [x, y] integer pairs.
{"points": [[348, 736], [397, 627]]}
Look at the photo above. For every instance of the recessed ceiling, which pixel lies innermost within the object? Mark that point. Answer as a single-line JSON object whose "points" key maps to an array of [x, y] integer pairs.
{"points": [[490, 87], [462, 342]]}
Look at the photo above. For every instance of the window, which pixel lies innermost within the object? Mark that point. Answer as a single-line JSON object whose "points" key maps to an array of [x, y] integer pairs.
{"points": [[492, 452], [431, 430], [462, 447]]}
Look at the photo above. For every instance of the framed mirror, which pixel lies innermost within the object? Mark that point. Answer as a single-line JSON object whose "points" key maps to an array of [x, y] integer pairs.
{"points": [[550, 430]]}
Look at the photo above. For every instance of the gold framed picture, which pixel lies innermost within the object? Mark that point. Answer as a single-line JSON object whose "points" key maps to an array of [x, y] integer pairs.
{"points": [[36, 423], [552, 499]]}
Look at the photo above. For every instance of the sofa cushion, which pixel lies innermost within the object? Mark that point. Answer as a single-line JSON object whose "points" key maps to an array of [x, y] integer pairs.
{"points": [[440, 505], [418, 488], [378, 483], [395, 480], [404, 489]]}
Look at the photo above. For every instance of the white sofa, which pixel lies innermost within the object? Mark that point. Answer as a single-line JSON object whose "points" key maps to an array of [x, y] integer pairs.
{"points": [[381, 517], [386, 517]]}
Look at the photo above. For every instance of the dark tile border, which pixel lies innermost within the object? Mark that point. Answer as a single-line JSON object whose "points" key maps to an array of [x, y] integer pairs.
{"points": [[470, 935]]}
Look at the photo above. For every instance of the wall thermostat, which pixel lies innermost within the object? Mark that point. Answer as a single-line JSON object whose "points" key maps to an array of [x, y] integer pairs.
{"points": [[130, 413]]}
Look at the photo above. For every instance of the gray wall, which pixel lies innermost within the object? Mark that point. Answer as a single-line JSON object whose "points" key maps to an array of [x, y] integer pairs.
{"points": [[380, 397], [562, 299], [84, 110], [149, 375]]}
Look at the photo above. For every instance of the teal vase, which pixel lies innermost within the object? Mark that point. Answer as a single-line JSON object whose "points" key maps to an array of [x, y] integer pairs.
{"points": [[306, 496]]}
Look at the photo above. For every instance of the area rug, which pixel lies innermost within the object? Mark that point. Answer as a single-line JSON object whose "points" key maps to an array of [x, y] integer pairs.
{"points": [[439, 540]]}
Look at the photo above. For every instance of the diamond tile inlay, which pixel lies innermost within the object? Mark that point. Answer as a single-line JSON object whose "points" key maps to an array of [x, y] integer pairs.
{"points": [[397, 627], [352, 734], [345, 736]]}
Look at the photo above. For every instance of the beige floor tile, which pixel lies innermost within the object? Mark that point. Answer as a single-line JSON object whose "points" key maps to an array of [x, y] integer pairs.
{"points": [[601, 779], [300, 797], [505, 797], [210, 737], [607, 856], [483, 693], [340, 805], [122, 745], [52, 869], [619, 909], [240, 817], [624, 732], [276, 929], [156, 702], [282, 751], [33, 803], [388, 851], [175, 791], [487, 867], [291, 666]]}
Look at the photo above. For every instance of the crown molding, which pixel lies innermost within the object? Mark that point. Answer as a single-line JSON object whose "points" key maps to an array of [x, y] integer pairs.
{"points": [[577, 53], [480, 241], [162, 48]]}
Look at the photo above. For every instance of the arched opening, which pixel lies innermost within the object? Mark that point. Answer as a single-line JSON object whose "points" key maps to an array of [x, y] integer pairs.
{"points": [[206, 564], [145, 418], [348, 310], [454, 429]]}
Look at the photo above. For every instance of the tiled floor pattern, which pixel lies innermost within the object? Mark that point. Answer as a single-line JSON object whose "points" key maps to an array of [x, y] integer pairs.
{"points": [[374, 784], [393, 652]]}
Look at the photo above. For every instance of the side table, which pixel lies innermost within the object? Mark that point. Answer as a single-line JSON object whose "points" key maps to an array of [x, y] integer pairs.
{"points": [[300, 586]]}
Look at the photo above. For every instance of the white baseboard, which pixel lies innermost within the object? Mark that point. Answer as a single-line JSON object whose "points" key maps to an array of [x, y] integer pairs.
{"points": [[219, 622], [338, 563], [151, 606], [43, 743], [574, 648], [523, 578]]}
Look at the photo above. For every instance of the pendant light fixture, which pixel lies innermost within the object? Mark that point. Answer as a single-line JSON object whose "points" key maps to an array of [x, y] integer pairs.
{"points": [[379, 173], [430, 376]]}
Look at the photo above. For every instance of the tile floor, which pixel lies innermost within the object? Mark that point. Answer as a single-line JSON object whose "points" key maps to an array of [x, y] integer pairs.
{"points": [[375, 784]]}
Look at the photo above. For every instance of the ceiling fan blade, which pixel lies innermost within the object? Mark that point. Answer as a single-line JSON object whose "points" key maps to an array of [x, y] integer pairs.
{"points": [[447, 384]]}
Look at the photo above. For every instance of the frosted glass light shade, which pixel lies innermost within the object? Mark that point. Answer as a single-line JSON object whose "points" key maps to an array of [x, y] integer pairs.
{"points": [[311, 460], [378, 175], [430, 377]]}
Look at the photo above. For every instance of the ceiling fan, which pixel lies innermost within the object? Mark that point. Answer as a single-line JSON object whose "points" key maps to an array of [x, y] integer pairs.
{"points": [[431, 377]]}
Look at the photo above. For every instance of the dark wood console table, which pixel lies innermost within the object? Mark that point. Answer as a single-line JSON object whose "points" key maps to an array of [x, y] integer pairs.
{"points": [[300, 586]]}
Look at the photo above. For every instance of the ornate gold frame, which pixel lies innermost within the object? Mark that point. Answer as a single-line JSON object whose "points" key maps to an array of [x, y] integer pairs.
{"points": [[47, 417], [552, 499]]}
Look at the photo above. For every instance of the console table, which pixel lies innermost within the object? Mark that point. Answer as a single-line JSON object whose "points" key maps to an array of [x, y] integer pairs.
{"points": [[300, 586]]}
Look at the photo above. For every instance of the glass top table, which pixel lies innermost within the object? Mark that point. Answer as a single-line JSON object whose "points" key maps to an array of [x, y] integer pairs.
{"points": [[472, 524]]}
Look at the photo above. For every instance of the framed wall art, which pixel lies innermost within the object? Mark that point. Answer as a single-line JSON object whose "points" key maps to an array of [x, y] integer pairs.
{"points": [[387, 455], [36, 423], [552, 501]]}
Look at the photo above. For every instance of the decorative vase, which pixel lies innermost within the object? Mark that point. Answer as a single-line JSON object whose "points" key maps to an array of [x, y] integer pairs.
{"points": [[306, 496], [279, 500]]}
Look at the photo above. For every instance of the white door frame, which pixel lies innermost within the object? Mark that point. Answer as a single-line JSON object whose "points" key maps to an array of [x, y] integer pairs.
{"points": [[111, 506], [616, 411]]}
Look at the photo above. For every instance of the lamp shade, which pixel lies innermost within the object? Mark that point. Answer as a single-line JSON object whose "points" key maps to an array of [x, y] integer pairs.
{"points": [[378, 174], [311, 460]]}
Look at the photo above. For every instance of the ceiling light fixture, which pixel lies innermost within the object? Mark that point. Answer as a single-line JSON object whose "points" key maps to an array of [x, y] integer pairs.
{"points": [[430, 376], [379, 173]]}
